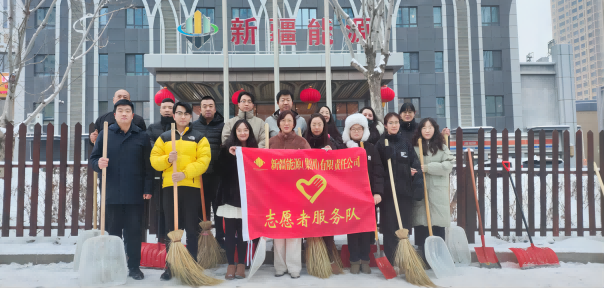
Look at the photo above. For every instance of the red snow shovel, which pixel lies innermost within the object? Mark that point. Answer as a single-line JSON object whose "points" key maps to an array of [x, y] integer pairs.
{"points": [[486, 255], [531, 257], [381, 260]]}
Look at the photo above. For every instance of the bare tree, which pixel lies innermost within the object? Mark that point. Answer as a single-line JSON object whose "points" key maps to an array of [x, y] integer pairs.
{"points": [[20, 50], [377, 39]]}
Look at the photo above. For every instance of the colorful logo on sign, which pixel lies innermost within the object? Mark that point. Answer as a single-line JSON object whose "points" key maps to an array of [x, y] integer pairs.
{"points": [[198, 29]]}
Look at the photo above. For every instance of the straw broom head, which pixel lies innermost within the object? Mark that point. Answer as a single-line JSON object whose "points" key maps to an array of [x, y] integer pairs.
{"points": [[409, 262], [183, 266], [209, 252], [334, 255], [317, 258]]}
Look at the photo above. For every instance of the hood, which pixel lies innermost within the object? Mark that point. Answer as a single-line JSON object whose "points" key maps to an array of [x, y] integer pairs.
{"points": [[166, 120], [276, 114], [218, 118], [356, 118], [245, 115]]}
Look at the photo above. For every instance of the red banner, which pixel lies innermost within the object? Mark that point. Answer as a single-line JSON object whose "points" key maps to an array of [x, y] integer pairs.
{"points": [[304, 193]]}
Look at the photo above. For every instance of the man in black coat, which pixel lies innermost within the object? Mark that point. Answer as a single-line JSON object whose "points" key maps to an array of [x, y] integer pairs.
{"points": [[129, 180], [110, 118], [210, 124], [154, 131]]}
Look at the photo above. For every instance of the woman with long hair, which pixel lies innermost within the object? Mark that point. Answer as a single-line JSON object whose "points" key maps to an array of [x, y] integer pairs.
{"points": [[376, 128], [330, 122], [242, 135], [288, 252], [438, 163]]}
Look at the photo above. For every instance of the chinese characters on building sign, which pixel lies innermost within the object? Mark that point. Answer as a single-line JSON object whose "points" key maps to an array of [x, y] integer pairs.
{"points": [[243, 32]]}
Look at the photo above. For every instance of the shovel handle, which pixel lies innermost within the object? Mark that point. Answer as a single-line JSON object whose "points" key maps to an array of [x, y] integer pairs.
{"points": [[421, 160], [519, 208], [266, 135], [203, 199], [470, 162], [94, 204], [175, 184], [398, 213], [599, 178], [104, 177]]}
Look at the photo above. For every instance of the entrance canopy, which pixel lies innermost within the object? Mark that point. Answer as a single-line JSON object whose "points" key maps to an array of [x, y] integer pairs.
{"points": [[192, 76]]}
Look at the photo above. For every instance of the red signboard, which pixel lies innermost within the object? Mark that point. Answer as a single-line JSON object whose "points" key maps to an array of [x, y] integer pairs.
{"points": [[304, 193]]}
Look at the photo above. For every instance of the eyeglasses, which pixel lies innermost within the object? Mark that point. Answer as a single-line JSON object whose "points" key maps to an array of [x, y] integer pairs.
{"points": [[356, 129], [181, 114], [246, 102]]}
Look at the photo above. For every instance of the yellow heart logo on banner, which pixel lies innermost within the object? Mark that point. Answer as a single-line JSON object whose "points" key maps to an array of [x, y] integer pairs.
{"points": [[316, 181]]}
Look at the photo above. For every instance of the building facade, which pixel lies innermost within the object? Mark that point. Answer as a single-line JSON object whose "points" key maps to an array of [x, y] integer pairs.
{"points": [[580, 24], [456, 60]]}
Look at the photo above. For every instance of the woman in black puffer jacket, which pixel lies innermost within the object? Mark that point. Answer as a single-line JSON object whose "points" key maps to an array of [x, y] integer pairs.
{"points": [[376, 128], [409, 188]]}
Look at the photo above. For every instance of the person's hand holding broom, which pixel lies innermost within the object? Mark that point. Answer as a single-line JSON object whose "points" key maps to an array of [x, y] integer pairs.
{"points": [[182, 265]]}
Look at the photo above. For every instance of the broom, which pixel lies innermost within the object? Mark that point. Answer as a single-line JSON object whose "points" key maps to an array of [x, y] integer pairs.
{"points": [[317, 258], [334, 256], [406, 257], [209, 253], [182, 265]]}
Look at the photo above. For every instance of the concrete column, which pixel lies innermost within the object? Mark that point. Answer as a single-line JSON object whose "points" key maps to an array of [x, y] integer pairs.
{"points": [[562, 55]]}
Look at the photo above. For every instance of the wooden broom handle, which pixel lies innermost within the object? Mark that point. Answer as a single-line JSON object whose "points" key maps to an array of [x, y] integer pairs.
{"points": [[299, 131], [203, 199], [175, 184], [426, 201], [398, 213], [599, 178], [104, 177], [267, 133], [475, 195], [94, 204]]}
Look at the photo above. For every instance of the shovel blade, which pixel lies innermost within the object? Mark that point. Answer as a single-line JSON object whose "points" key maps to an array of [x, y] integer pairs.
{"points": [[439, 257], [457, 242], [153, 255], [534, 257], [487, 257], [384, 265]]}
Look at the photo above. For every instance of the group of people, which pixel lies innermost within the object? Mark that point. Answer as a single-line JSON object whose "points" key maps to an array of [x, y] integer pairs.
{"points": [[142, 162]]}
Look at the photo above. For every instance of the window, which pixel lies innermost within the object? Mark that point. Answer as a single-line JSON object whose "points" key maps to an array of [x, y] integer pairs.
{"points": [[492, 60], [136, 18], [411, 62], [208, 12], [103, 18], [407, 17], [304, 16], [103, 107], [134, 65], [438, 17], [438, 61], [241, 13], [3, 62], [341, 111], [44, 65], [41, 14], [103, 65], [490, 15], [347, 10], [142, 109], [440, 107], [48, 115], [415, 102], [494, 106]]}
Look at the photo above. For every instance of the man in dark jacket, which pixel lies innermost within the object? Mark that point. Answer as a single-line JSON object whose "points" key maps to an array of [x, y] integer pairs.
{"points": [[210, 124], [155, 130], [129, 180], [110, 117]]}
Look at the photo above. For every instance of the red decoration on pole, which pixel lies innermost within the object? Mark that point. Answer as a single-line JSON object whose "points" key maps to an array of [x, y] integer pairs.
{"points": [[235, 97], [310, 96], [162, 94], [387, 95]]}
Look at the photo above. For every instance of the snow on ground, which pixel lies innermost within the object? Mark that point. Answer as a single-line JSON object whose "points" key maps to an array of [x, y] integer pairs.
{"points": [[587, 244], [567, 275]]}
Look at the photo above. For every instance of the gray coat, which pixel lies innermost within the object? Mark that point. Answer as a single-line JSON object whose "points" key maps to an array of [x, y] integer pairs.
{"points": [[437, 170]]}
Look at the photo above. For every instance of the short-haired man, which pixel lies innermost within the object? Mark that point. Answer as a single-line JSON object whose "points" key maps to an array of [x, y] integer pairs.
{"points": [[129, 180], [285, 101], [210, 125], [246, 111], [110, 118], [155, 130], [192, 158]]}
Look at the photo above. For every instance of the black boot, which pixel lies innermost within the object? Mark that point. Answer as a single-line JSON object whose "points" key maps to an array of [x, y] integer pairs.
{"points": [[167, 275], [136, 273]]}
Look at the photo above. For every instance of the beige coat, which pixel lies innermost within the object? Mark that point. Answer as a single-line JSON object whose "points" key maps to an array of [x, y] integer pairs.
{"points": [[437, 170], [256, 123]]}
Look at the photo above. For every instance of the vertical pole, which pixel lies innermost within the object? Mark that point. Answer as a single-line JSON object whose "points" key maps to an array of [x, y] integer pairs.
{"points": [[225, 69], [276, 49], [327, 53]]}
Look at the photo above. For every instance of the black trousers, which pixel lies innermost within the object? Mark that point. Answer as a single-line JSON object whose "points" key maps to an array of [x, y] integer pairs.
{"points": [[189, 206], [389, 222], [359, 246], [210, 188], [234, 238], [422, 233], [126, 220], [157, 204]]}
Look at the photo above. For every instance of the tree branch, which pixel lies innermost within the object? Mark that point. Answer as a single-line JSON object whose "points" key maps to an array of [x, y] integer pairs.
{"points": [[353, 27]]}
